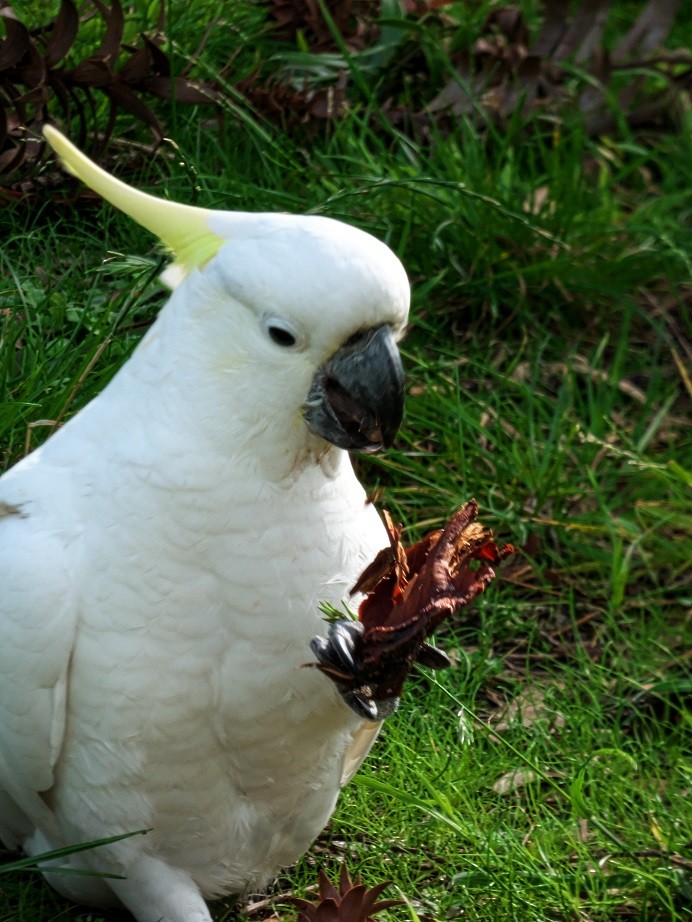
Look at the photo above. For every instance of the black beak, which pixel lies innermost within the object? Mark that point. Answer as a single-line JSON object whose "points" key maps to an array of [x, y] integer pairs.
{"points": [[356, 399]]}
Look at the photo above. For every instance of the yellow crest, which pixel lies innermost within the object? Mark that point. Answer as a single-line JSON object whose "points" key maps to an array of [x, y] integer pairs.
{"points": [[184, 229]]}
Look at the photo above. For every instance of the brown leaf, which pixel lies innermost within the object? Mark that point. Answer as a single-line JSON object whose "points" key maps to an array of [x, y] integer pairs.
{"points": [[501, 73], [553, 28], [352, 902], [32, 68], [434, 579], [158, 57], [584, 32], [327, 889], [126, 99], [178, 88], [31, 76], [408, 593], [508, 20], [63, 33], [390, 561], [12, 158], [16, 42], [113, 36], [137, 67], [650, 29], [355, 22], [91, 73]]}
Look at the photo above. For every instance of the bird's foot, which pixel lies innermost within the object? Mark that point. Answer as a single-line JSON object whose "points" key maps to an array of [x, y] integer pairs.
{"points": [[337, 657], [366, 685]]}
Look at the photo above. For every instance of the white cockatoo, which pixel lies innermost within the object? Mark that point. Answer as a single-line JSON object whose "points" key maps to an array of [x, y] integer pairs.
{"points": [[164, 554]]}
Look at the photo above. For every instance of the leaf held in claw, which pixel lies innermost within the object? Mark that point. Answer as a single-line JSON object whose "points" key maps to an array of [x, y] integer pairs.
{"points": [[408, 593], [420, 587]]}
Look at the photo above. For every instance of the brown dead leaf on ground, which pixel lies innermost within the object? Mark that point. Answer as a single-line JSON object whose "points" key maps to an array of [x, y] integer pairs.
{"points": [[568, 66], [34, 73], [351, 902], [355, 21], [501, 73], [288, 106]]}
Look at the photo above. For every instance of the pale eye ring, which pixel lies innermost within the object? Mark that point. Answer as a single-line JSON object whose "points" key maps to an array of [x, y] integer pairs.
{"points": [[282, 333]]}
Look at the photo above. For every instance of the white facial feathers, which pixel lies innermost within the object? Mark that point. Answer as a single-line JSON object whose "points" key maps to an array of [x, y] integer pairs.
{"points": [[325, 278]]}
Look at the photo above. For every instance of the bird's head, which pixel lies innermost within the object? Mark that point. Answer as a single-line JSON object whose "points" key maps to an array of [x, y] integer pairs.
{"points": [[305, 310]]}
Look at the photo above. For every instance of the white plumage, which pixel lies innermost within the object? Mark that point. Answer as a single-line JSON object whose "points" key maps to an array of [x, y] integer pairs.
{"points": [[163, 555]]}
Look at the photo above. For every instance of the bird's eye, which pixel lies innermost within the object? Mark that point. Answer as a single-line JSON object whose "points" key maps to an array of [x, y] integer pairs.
{"points": [[281, 337], [281, 332]]}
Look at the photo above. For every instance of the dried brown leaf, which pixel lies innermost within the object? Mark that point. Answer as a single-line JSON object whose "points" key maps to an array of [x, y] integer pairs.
{"points": [[158, 57], [113, 36], [16, 42], [126, 99], [584, 32], [502, 73], [180, 89], [355, 22], [32, 73], [408, 593], [553, 28], [649, 30], [137, 67], [91, 73], [352, 902], [63, 33]]}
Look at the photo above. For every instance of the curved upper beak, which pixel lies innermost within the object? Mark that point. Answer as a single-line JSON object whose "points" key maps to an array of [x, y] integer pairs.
{"points": [[356, 400]]}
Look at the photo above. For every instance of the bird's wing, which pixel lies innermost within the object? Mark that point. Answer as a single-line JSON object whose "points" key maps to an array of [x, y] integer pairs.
{"points": [[38, 618], [362, 741]]}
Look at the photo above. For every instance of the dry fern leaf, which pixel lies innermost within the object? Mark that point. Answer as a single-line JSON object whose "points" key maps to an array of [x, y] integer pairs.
{"points": [[353, 19], [352, 902], [503, 71], [33, 75]]}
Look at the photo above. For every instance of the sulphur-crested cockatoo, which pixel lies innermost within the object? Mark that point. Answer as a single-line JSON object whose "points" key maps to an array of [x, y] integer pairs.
{"points": [[164, 554]]}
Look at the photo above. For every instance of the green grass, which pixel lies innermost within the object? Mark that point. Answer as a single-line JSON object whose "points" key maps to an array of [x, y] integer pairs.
{"points": [[550, 276]]}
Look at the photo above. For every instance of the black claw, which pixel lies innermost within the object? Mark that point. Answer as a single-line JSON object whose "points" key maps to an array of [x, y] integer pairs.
{"points": [[324, 651], [336, 653], [387, 708], [432, 657], [363, 707], [370, 709], [342, 637], [355, 628]]}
